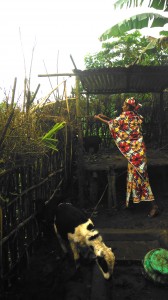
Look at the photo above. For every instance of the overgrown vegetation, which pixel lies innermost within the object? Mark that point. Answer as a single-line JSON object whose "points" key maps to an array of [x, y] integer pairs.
{"points": [[26, 135]]}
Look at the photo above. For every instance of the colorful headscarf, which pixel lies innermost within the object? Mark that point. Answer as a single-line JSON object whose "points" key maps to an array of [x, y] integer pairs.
{"points": [[131, 101]]}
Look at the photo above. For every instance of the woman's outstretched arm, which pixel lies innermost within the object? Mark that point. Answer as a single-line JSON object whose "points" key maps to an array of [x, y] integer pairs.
{"points": [[102, 118]]}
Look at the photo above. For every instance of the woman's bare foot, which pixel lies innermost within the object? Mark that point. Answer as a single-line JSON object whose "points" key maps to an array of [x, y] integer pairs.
{"points": [[154, 211]]}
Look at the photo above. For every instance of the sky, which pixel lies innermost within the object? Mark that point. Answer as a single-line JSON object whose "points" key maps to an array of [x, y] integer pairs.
{"points": [[49, 31]]}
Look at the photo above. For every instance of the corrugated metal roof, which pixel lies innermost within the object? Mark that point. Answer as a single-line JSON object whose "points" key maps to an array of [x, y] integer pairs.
{"points": [[134, 79]]}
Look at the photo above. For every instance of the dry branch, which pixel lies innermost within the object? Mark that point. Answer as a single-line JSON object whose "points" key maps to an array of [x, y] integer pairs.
{"points": [[34, 187]]}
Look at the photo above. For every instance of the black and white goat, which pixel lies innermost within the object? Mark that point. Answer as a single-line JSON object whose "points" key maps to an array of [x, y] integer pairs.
{"points": [[72, 225]]}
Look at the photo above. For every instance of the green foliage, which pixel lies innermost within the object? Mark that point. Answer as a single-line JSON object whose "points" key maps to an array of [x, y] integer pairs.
{"points": [[148, 18], [163, 32], [157, 4], [48, 139], [135, 22], [128, 49], [150, 50], [127, 3]]}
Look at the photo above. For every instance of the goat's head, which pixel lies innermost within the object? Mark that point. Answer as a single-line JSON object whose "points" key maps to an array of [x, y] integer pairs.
{"points": [[105, 258]]}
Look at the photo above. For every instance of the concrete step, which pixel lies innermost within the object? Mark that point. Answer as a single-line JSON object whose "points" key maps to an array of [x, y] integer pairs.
{"points": [[133, 244], [129, 247]]}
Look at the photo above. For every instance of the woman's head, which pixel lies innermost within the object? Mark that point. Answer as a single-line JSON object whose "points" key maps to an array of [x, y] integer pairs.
{"points": [[130, 105]]}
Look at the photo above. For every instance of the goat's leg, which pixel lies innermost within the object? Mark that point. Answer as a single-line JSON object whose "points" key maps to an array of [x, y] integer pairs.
{"points": [[61, 242], [75, 253]]}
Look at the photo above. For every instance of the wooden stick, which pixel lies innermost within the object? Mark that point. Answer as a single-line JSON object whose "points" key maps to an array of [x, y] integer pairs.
{"points": [[15, 231], [13, 92], [57, 74]]}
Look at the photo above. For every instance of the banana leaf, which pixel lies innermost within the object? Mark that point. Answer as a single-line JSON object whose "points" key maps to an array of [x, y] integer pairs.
{"points": [[54, 130], [157, 4], [127, 3], [135, 22], [48, 139], [51, 143], [164, 33]]}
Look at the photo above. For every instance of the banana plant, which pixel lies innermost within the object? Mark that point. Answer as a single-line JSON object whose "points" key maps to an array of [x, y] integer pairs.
{"points": [[157, 4], [48, 139], [155, 16]]}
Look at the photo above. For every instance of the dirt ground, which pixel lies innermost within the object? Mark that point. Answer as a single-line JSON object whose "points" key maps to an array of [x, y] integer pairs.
{"points": [[52, 276]]}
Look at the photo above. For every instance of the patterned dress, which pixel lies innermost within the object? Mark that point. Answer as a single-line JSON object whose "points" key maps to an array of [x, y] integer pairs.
{"points": [[127, 134]]}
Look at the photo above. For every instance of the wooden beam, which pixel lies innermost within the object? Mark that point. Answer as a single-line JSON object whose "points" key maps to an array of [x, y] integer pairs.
{"points": [[73, 61], [56, 74]]}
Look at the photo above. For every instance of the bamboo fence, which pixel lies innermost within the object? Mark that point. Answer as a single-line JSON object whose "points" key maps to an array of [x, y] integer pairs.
{"points": [[24, 191]]}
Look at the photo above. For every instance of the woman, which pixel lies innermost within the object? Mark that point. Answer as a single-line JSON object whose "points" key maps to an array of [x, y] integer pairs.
{"points": [[127, 134]]}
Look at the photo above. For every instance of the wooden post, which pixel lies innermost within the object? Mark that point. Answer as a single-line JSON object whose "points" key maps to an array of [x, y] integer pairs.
{"points": [[80, 147], [161, 119], [87, 114], [1, 224], [93, 187], [112, 200]]}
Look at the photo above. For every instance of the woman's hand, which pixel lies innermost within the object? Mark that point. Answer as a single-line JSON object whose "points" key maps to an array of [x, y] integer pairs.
{"points": [[101, 118], [97, 117]]}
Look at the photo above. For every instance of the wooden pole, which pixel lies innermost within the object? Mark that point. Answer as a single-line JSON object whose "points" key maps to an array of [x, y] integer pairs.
{"points": [[80, 147], [56, 74], [1, 226], [93, 188], [73, 61], [161, 114], [112, 199], [13, 92], [87, 113], [78, 114], [80, 141]]}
